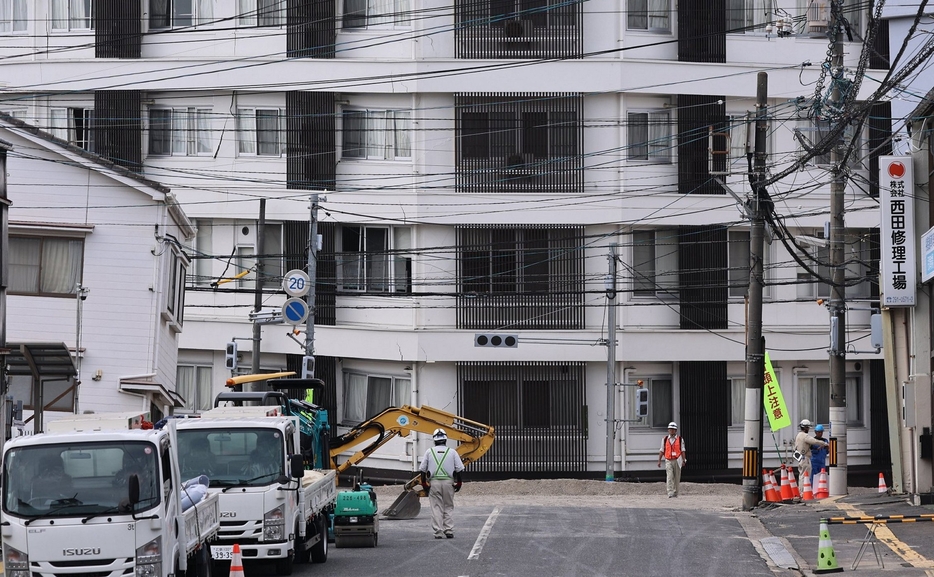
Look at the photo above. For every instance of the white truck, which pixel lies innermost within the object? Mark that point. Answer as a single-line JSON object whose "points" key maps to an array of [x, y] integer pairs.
{"points": [[269, 505], [95, 496]]}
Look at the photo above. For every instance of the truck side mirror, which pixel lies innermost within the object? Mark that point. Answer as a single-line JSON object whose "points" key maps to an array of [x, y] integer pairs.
{"points": [[296, 466], [133, 489]]}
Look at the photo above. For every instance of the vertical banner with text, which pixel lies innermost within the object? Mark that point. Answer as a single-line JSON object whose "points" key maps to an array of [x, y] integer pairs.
{"points": [[898, 280], [773, 399]]}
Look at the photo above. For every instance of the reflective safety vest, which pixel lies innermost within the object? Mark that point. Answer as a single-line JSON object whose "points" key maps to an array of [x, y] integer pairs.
{"points": [[440, 473], [672, 449]]}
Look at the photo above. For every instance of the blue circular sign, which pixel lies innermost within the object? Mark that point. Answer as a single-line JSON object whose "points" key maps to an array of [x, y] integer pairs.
{"points": [[294, 311]]}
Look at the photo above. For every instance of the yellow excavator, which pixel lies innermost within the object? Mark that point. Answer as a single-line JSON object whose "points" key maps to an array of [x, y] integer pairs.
{"points": [[474, 439]]}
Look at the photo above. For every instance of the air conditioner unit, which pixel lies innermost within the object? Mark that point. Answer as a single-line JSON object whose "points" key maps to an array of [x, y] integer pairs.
{"points": [[818, 17]]}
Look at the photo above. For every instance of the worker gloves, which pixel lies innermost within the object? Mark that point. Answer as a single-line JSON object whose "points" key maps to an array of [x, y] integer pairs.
{"points": [[457, 486]]}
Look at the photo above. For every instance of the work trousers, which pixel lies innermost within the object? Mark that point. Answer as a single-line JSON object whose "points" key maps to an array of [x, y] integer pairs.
{"points": [[441, 499], [672, 476]]}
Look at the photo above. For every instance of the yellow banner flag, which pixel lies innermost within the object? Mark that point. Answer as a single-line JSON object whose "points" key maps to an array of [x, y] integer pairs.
{"points": [[773, 399]]}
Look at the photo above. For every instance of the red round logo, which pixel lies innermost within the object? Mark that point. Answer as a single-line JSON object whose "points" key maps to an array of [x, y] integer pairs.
{"points": [[896, 169]]}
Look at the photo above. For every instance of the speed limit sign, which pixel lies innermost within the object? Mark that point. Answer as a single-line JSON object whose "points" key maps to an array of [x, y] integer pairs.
{"points": [[295, 283]]}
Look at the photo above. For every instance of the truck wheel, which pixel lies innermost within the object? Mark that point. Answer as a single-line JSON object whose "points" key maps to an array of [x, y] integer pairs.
{"points": [[319, 551], [285, 566]]}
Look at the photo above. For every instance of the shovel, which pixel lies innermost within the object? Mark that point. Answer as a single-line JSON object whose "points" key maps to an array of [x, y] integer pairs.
{"points": [[407, 505]]}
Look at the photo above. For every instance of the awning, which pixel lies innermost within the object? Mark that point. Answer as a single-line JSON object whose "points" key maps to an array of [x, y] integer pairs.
{"points": [[149, 387], [40, 360]]}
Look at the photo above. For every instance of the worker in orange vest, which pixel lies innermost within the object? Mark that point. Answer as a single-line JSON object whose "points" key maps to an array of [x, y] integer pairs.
{"points": [[673, 452]]}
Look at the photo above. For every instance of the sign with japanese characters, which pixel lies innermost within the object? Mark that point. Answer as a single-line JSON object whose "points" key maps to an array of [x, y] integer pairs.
{"points": [[927, 255], [897, 230], [774, 401]]}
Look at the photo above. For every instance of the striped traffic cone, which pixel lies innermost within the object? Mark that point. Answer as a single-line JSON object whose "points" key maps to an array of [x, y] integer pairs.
{"points": [[806, 494], [826, 558], [775, 486], [823, 490], [795, 493], [236, 562], [768, 488], [787, 495], [882, 487]]}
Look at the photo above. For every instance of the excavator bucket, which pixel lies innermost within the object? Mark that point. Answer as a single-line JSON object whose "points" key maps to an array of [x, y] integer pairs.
{"points": [[406, 506]]}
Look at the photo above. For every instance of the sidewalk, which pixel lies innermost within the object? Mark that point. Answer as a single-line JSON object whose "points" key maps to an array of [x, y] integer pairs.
{"points": [[905, 549]]}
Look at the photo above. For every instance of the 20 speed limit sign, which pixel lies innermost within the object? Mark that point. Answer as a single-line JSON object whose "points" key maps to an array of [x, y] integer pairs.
{"points": [[295, 283]]}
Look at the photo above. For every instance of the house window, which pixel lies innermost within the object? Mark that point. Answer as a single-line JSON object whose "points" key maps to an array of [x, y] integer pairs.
{"points": [[373, 259], [650, 15], [649, 136], [744, 16], [737, 401], [661, 402], [377, 13], [175, 288], [72, 15], [180, 132], [179, 13], [74, 125], [814, 400], [13, 15], [261, 12], [45, 266], [856, 251], [366, 396], [377, 134], [261, 131], [654, 263], [193, 383]]}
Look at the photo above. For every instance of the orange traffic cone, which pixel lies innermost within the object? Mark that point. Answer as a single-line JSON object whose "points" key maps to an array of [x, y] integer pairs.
{"points": [[806, 494], [787, 495], [796, 494], [882, 487], [823, 491], [775, 486], [768, 488], [236, 562]]}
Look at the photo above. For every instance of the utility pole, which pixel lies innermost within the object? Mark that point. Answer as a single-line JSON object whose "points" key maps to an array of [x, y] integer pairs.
{"points": [[837, 484], [611, 365], [4, 271], [756, 208], [312, 280], [258, 292]]}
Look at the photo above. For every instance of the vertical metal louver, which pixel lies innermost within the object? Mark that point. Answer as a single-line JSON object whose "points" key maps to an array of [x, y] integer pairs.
{"points": [[538, 411], [702, 31], [880, 141], [296, 257], [117, 127], [118, 29], [702, 273], [311, 28], [705, 415], [507, 29], [697, 115], [311, 152]]}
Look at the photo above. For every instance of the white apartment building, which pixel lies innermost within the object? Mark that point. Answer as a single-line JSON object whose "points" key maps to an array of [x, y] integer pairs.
{"points": [[476, 162]]}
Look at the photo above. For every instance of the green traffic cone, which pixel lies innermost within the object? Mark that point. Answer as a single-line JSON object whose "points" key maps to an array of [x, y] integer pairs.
{"points": [[826, 558]]}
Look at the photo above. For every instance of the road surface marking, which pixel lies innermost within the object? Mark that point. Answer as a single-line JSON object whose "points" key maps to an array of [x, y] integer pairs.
{"points": [[484, 533], [885, 535]]}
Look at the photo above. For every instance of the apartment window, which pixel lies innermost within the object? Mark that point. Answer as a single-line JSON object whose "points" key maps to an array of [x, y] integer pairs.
{"points": [[649, 136], [13, 15], [179, 13], [661, 402], [744, 16], [650, 15], [72, 15], [272, 259], [180, 132], [737, 401], [738, 128], [175, 288], [74, 125], [193, 383], [814, 400], [366, 396], [856, 255], [519, 136], [373, 259], [203, 250], [739, 265], [261, 12], [377, 13], [45, 266], [261, 131], [654, 263], [377, 134]]}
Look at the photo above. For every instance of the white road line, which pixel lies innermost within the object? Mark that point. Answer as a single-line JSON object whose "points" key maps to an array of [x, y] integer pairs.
{"points": [[484, 533]]}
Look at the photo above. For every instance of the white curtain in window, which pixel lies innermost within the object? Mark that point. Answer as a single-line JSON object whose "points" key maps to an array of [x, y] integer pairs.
{"points": [[19, 15], [24, 265], [58, 123], [186, 386], [738, 401], [402, 121], [658, 15], [378, 395], [402, 392], [666, 259], [379, 12], [205, 11], [659, 136], [80, 14], [205, 398], [203, 248], [202, 131], [355, 398], [247, 125], [180, 132], [376, 134], [853, 401], [247, 11], [59, 14], [61, 265], [402, 16], [5, 16]]}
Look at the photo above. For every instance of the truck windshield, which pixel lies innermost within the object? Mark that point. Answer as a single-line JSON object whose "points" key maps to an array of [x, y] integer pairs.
{"points": [[232, 456], [79, 479]]}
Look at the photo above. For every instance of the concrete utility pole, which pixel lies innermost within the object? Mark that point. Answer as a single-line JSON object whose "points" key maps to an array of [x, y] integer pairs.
{"points": [[611, 365], [258, 292], [755, 356], [837, 484], [312, 280], [4, 271]]}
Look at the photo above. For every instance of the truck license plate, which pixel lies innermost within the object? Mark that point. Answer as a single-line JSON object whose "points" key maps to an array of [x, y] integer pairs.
{"points": [[222, 552]]}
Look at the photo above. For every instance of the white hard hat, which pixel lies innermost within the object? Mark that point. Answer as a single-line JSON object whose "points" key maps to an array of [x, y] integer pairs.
{"points": [[804, 423], [672, 425], [439, 435]]}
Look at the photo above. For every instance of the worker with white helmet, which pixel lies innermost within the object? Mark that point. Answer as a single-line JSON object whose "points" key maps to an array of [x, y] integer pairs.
{"points": [[440, 471], [804, 443], [675, 457]]}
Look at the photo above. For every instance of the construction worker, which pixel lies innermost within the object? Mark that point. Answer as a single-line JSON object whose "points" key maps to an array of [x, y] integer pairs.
{"points": [[803, 446], [818, 453], [440, 472], [673, 452]]}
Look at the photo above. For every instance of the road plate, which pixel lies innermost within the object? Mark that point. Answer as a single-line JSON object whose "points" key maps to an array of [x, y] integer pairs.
{"points": [[222, 552]]}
